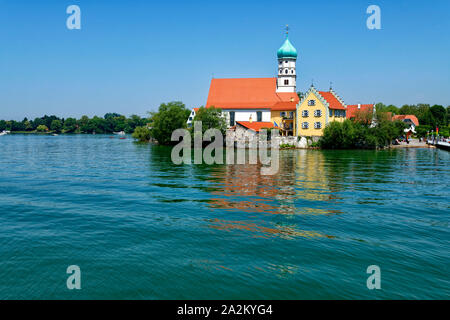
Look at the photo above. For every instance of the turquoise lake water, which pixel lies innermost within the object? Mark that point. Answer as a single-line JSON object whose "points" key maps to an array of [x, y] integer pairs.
{"points": [[140, 227]]}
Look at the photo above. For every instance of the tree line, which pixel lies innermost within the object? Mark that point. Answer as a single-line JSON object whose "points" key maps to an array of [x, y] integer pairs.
{"points": [[430, 117], [173, 115], [109, 123], [364, 132]]}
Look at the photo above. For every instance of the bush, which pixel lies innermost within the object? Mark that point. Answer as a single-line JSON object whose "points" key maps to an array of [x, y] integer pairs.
{"points": [[348, 134], [170, 116], [42, 128], [142, 134], [211, 118], [56, 126], [423, 130], [286, 146]]}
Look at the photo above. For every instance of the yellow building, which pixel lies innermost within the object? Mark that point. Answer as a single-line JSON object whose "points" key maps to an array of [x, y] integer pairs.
{"points": [[283, 115], [316, 109]]}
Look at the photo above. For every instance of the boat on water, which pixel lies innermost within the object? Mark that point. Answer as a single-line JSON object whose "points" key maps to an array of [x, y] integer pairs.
{"points": [[443, 145], [440, 143], [120, 133], [4, 132]]}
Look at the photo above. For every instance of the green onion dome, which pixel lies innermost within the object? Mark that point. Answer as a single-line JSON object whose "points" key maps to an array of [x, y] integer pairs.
{"points": [[287, 50]]}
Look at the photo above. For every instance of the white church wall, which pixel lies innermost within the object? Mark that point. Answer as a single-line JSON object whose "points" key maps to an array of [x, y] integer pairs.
{"points": [[244, 115]]}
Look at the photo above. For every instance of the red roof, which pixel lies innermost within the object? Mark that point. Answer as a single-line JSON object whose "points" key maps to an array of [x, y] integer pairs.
{"points": [[256, 126], [332, 100], [403, 117], [196, 110], [249, 93], [353, 108]]}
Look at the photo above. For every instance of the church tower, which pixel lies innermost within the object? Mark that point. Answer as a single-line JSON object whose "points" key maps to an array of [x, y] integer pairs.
{"points": [[287, 75]]}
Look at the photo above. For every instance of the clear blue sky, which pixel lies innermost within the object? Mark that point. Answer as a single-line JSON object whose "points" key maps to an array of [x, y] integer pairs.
{"points": [[132, 55]]}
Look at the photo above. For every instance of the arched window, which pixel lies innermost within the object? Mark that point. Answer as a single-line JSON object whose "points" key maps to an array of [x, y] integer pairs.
{"points": [[286, 82], [286, 71]]}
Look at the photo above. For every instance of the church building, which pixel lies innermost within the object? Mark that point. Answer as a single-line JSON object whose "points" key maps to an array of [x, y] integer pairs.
{"points": [[257, 103], [260, 102]]}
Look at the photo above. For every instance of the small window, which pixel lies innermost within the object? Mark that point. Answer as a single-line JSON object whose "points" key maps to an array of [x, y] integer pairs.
{"points": [[291, 115], [283, 114], [285, 62], [331, 112], [258, 116], [305, 125], [292, 71], [231, 118], [286, 82], [311, 102], [286, 71], [317, 113], [190, 118], [305, 113], [317, 125]]}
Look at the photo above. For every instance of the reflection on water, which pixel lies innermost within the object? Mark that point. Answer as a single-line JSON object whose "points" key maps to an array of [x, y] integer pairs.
{"points": [[283, 231], [141, 227]]}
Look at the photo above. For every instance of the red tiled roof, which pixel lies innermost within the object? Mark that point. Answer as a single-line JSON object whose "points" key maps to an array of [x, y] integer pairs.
{"points": [[402, 117], [285, 106], [196, 110], [248, 93], [331, 99], [255, 126], [353, 108]]}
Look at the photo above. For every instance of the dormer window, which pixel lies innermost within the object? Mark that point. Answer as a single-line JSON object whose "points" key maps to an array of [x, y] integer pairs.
{"points": [[311, 102]]}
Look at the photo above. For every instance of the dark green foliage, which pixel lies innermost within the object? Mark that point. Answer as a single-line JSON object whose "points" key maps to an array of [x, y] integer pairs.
{"points": [[170, 116], [142, 134], [56, 126], [390, 108], [351, 135], [211, 118], [70, 125], [112, 122]]}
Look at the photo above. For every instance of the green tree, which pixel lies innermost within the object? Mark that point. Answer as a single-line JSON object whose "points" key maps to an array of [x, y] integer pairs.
{"points": [[84, 125], [408, 109], [448, 115], [42, 128], [211, 118], [142, 134], [70, 125], [170, 116], [390, 108], [439, 113], [56, 126]]}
